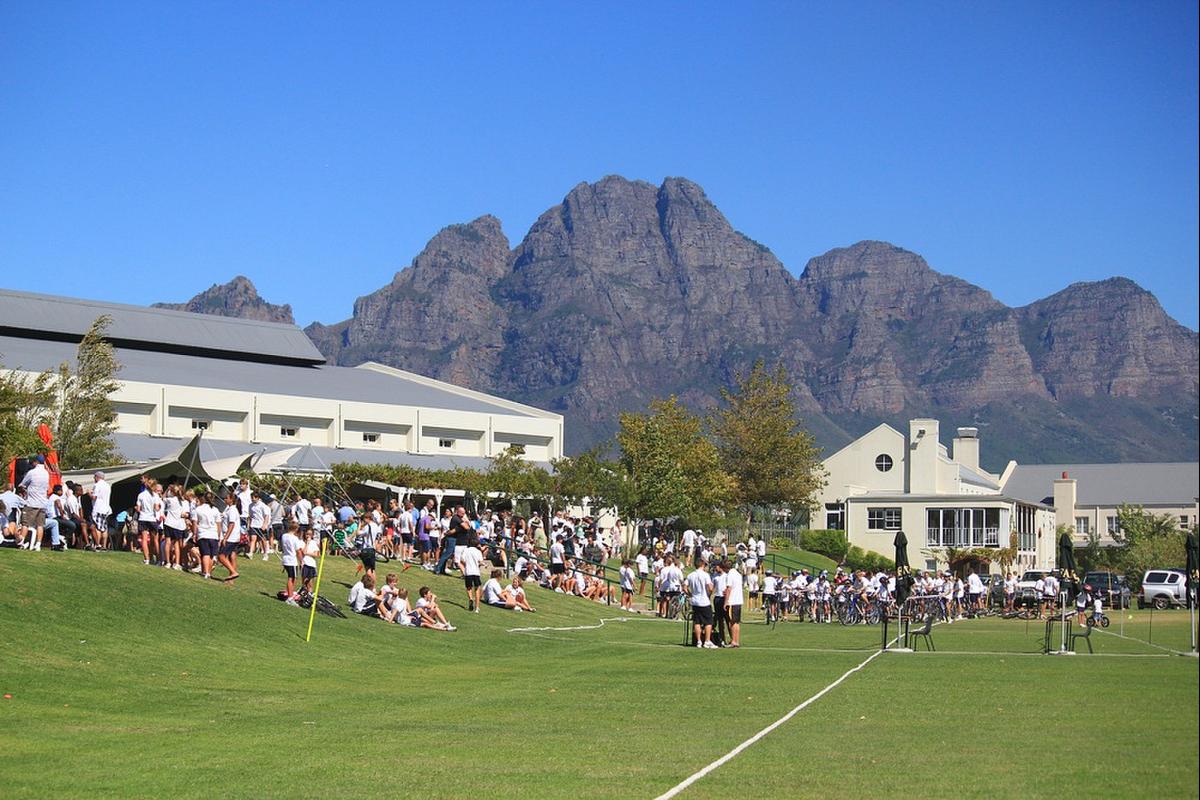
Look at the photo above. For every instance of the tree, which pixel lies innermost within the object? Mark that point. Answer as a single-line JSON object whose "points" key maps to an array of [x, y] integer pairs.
{"points": [[25, 401], [84, 417], [1147, 541], [670, 468], [587, 476], [512, 477], [773, 461]]}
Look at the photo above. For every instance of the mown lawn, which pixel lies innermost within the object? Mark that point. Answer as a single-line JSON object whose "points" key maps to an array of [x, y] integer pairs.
{"points": [[128, 681]]}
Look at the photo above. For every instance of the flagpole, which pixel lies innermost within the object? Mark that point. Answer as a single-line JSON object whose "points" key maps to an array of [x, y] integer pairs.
{"points": [[316, 591]]}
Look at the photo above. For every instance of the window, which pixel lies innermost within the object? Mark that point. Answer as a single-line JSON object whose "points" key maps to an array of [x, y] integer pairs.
{"points": [[835, 517], [1156, 577], [1081, 526], [883, 519], [1183, 521], [1114, 525], [287, 433], [883, 462], [200, 424], [370, 438], [445, 444], [930, 565], [1173, 578]]}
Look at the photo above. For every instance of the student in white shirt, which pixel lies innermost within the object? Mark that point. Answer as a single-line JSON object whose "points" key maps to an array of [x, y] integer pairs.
{"points": [[627, 577], [470, 561], [147, 518], [643, 568], [308, 569], [733, 604], [259, 525], [291, 549], [208, 535], [494, 594], [174, 525], [231, 538], [699, 589], [363, 598], [558, 564], [516, 591], [429, 612]]}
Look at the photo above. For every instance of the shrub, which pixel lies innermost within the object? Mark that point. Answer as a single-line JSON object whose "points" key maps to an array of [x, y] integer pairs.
{"points": [[781, 543], [828, 543]]}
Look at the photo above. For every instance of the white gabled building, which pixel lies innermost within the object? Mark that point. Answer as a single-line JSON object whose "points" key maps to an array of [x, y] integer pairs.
{"points": [[263, 387], [886, 481]]}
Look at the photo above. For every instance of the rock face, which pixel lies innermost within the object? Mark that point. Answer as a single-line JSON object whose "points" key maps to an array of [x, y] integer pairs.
{"points": [[238, 298], [627, 291]]}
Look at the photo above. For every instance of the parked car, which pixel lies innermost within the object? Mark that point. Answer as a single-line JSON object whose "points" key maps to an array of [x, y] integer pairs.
{"points": [[1027, 587], [1163, 588], [1112, 586]]}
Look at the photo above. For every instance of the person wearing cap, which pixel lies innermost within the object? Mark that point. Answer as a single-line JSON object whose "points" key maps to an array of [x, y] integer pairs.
{"points": [[768, 596], [36, 483]]}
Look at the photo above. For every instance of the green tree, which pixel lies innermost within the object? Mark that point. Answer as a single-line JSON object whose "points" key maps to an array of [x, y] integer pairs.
{"points": [[1147, 541], [773, 461], [512, 477], [84, 417], [670, 468], [25, 401]]}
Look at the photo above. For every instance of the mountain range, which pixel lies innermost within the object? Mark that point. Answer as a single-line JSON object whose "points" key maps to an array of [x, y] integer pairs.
{"points": [[626, 291]]}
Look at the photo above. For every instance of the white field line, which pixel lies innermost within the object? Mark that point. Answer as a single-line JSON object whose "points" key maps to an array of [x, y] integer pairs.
{"points": [[688, 781], [591, 627], [1140, 641]]}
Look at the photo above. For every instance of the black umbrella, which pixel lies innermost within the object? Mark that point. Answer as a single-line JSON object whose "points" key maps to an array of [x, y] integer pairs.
{"points": [[1066, 562], [904, 579], [1193, 567]]}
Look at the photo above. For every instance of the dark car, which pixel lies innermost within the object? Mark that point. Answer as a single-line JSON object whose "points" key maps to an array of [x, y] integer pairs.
{"points": [[1113, 588]]}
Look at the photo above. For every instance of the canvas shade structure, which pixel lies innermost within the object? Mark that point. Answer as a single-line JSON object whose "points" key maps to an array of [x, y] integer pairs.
{"points": [[185, 464]]}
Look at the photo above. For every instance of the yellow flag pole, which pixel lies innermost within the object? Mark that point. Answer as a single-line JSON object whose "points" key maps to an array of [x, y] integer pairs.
{"points": [[316, 591]]}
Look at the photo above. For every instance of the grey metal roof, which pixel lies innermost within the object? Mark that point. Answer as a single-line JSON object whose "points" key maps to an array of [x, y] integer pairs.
{"points": [[142, 447], [323, 381], [1110, 484], [157, 326]]}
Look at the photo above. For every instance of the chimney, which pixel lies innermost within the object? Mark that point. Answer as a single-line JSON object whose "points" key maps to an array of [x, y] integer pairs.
{"points": [[966, 447], [922, 456], [1064, 501]]}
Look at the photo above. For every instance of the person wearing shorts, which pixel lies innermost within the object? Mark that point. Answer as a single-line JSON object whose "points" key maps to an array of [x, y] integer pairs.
{"points": [[700, 588], [470, 564]]}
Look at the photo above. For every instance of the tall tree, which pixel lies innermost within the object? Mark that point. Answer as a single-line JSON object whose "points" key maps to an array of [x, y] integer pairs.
{"points": [[772, 459], [671, 469], [84, 417], [25, 401]]}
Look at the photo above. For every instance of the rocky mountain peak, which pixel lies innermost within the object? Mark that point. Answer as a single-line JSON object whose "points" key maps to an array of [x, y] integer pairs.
{"points": [[237, 298]]}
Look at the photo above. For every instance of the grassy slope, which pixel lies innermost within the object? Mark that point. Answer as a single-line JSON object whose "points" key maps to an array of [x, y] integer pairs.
{"points": [[129, 681]]}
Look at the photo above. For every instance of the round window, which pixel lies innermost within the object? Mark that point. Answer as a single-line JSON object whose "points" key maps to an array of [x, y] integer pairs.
{"points": [[883, 462]]}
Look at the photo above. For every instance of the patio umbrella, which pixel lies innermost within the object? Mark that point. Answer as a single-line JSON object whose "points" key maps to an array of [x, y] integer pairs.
{"points": [[1193, 568], [1066, 563], [904, 579]]}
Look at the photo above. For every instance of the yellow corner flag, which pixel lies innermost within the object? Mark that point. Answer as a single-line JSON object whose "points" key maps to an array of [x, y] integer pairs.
{"points": [[316, 590]]}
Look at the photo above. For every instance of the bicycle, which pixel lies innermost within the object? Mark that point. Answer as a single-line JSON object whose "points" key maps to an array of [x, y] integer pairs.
{"points": [[1103, 621], [305, 599]]}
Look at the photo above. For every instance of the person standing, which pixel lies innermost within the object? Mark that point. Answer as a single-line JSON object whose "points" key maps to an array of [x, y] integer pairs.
{"points": [[469, 564], [231, 537], [208, 532], [718, 601], [733, 604], [36, 483], [147, 517], [699, 588], [174, 526]]}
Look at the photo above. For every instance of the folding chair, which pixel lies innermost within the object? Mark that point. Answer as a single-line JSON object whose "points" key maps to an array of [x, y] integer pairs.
{"points": [[1086, 636], [924, 631]]}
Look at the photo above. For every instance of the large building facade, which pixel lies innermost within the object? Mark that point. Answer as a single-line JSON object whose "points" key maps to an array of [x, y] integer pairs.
{"points": [[263, 386], [887, 481]]}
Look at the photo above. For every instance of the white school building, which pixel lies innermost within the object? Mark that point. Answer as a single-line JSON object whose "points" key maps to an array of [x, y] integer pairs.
{"points": [[886, 481], [262, 388]]}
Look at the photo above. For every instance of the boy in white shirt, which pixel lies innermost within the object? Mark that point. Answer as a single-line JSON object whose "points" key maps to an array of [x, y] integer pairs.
{"points": [[469, 562], [290, 548], [494, 594]]}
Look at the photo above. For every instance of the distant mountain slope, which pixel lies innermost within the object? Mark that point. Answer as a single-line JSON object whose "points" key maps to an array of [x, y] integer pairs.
{"points": [[238, 298], [627, 291]]}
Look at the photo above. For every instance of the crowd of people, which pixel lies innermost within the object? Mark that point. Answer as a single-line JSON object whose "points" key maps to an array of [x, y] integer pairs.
{"points": [[496, 554]]}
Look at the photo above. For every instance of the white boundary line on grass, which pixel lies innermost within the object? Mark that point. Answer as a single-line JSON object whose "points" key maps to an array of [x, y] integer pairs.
{"points": [[590, 627], [686, 782], [1140, 641]]}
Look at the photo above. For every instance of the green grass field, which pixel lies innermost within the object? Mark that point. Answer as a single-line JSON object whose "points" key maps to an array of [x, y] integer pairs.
{"points": [[129, 681]]}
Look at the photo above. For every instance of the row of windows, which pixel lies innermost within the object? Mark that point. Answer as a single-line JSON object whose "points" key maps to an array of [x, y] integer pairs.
{"points": [[368, 437]]}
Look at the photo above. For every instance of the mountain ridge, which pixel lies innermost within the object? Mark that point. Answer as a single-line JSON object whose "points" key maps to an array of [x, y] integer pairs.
{"points": [[625, 291]]}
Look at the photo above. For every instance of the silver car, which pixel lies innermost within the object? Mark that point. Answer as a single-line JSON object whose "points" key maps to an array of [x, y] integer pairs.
{"points": [[1163, 588]]}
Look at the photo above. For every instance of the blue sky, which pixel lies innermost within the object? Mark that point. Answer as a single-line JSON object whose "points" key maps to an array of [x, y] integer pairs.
{"points": [[150, 150]]}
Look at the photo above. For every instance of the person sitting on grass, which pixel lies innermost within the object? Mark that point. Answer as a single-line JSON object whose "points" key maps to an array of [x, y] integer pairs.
{"points": [[389, 606], [516, 590], [430, 614], [495, 595], [363, 599]]}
